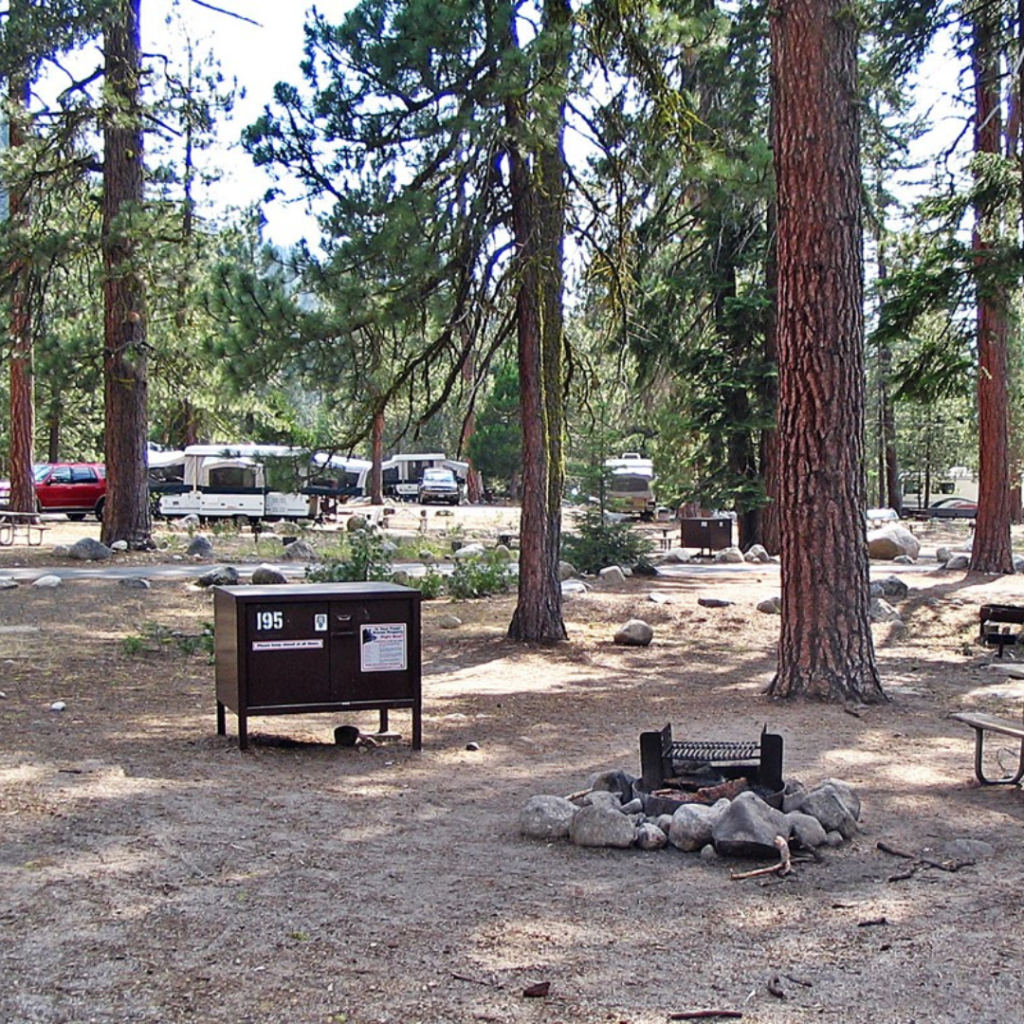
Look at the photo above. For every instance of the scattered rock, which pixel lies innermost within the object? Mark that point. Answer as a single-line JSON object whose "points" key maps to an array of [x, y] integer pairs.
{"points": [[47, 582], [8, 583], [966, 849], [713, 602], [571, 587], [893, 587], [474, 550], [264, 575], [730, 554], [770, 606], [635, 633], [943, 555], [472, 746], [889, 542], [200, 546], [882, 611], [677, 556], [757, 553], [119, 545], [58, 705], [134, 583], [88, 549], [617, 781], [806, 829], [957, 563], [449, 621], [612, 575], [222, 576], [657, 598], [300, 551]]}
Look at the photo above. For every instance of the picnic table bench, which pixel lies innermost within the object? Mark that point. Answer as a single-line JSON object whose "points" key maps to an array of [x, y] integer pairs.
{"points": [[21, 525], [982, 723]]}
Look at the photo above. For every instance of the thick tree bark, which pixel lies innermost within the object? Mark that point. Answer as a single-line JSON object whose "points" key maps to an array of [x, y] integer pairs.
{"points": [[377, 459], [991, 550], [825, 645], [771, 525], [538, 227], [22, 400], [126, 515]]}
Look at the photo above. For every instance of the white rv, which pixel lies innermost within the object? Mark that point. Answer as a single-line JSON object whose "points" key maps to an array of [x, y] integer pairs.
{"points": [[252, 481], [631, 485]]}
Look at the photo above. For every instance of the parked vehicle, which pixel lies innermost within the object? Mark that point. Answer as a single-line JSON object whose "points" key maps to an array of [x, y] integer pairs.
{"points": [[438, 485], [76, 488], [631, 486], [402, 473], [953, 508], [251, 481]]}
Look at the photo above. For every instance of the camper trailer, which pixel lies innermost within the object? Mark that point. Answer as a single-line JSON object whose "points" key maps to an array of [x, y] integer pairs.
{"points": [[631, 485], [251, 481]]}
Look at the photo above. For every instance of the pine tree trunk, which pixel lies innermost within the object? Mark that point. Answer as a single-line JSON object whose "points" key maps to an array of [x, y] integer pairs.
{"points": [[991, 550], [825, 645], [377, 459], [538, 226], [22, 401], [126, 515], [771, 525]]}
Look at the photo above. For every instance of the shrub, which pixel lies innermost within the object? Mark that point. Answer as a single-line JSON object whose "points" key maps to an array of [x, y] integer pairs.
{"points": [[481, 576], [366, 561], [597, 543], [430, 585]]}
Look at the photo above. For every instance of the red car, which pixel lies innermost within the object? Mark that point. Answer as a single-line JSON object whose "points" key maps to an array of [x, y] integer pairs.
{"points": [[76, 488]]}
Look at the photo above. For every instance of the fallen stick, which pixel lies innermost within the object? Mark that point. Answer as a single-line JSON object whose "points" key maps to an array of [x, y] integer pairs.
{"points": [[783, 868], [705, 1014], [894, 850]]}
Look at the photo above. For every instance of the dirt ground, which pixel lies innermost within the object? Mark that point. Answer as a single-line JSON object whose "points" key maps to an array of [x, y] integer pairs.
{"points": [[152, 872]]}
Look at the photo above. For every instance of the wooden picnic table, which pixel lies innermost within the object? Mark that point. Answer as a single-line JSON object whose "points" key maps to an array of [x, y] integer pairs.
{"points": [[21, 526]]}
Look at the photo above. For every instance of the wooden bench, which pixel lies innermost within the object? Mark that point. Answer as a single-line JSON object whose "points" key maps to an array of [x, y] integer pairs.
{"points": [[997, 622], [981, 724]]}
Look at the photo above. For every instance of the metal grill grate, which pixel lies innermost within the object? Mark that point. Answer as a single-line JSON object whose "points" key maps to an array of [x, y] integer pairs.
{"points": [[759, 760], [712, 750]]}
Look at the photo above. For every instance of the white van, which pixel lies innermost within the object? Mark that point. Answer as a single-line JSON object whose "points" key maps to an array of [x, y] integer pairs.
{"points": [[631, 485]]}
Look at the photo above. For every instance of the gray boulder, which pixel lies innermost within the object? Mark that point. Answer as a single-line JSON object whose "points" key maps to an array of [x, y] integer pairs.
{"points": [[943, 555], [8, 583], [473, 550], [134, 583], [200, 546], [634, 633], [47, 582], [748, 827], [300, 551], [546, 817], [770, 606], [358, 522], [602, 826], [222, 576], [757, 553], [889, 541], [832, 807], [806, 830], [677, 556], [892, 587], [612, 575], [571, 588], [449, 622], [263, 575], [731, 554], [692, 826], [650, 837], [87, 549], [617, 781], [882, 611], [566, 571], [957, 562]]}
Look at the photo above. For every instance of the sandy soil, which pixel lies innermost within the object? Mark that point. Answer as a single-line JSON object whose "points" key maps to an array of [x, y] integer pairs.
{"points": [[152, 872]]}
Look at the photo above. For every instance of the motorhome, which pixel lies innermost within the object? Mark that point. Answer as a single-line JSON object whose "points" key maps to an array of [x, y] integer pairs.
{"points": [[631, 485], [402, 473], [250, 481]]}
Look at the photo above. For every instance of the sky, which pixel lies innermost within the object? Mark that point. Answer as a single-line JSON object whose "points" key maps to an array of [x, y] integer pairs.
{"points": [[258, 56]]}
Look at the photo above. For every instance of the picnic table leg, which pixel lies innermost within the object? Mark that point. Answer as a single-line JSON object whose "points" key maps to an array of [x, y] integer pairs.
{"points": [[979, 747]]}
